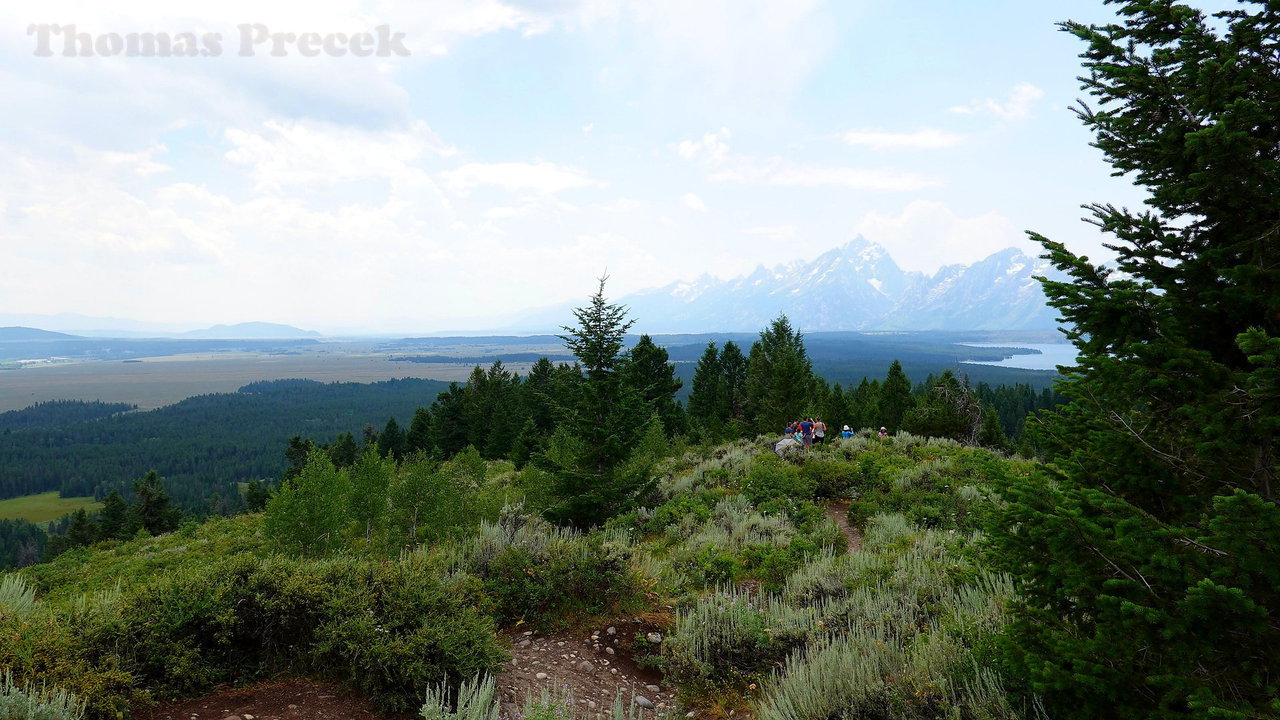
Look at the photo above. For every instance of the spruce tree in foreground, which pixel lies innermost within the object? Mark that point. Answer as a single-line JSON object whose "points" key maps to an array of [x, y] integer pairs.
{"points": [[1147, 560], [603, 421]]}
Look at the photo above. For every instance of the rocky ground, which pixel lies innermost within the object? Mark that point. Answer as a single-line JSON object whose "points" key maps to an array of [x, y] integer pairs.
{"points": [[588, 667]]}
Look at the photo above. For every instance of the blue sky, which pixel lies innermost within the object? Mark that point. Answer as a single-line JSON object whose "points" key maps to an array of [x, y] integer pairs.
{"points": [[522, 148]]}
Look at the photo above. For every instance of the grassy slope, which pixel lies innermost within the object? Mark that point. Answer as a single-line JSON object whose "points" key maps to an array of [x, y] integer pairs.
{"points": [[766, 600], [44, 507]]}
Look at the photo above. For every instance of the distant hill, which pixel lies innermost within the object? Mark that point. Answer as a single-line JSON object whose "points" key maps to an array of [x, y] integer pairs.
{"points": [[29, 333], [250, 330]]}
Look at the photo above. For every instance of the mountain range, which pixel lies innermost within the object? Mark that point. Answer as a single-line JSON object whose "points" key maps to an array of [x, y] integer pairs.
{"points": [[857, 286]]}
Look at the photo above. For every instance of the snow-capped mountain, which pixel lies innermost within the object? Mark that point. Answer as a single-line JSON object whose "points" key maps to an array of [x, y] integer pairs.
{"points": [[856, 287]]}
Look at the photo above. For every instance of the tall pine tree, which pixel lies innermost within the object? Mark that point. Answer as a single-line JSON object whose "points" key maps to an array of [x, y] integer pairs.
{"points": [[1146, 559], [604, 419]]}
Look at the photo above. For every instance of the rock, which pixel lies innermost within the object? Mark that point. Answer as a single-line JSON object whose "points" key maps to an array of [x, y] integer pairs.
{"points": [[560, 644], [585, 666], [293, 707], [247, 716], [525, 643], [541, 676], [591, 704], [612, 630], [232, 717], [689, 714], [654, 637], [653, 688], [609, 650], [527, 633], [613, 670], [644, 702]]}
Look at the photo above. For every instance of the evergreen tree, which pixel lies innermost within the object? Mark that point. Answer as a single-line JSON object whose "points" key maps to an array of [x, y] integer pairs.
{"points": [[256, 495], [539, 396], [81, 531], [604, 421], [391, 441], [647, 370], [734, 366], [1146, 554], [528, 442], [113, 518], [418, 439], [864, 404], [449, 427], [296, 454], [151, 509], [708, 405], [991, 434], [894, 398], [344, 452], [780, 380]]}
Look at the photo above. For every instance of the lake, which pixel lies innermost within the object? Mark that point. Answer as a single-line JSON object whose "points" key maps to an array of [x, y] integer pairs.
{"points": [[1050, 357]]}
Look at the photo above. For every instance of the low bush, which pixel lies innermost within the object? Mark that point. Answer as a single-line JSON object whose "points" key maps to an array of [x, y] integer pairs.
{"points": [[537, 572], [389, 629]]}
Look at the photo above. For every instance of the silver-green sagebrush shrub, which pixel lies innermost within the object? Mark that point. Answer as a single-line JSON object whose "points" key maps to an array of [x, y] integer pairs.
{"points": [[474, 701], [17, 597], [733, 636], [27, 702]]}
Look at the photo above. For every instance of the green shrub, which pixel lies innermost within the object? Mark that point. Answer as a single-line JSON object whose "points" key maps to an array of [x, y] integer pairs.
{"points": [[771, 478], [537, 572], [46, 650], [389, 629], [829, 479]]}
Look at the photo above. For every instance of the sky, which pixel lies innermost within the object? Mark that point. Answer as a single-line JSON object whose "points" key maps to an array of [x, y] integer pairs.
{"points": [[378, 166]]}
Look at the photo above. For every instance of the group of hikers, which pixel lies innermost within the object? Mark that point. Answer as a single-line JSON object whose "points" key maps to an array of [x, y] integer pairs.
{"points": [[809, 431]]}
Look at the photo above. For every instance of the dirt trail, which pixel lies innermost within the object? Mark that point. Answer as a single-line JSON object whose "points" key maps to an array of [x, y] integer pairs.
{"points": [[273, 700], [593, 666], [838, 510]]}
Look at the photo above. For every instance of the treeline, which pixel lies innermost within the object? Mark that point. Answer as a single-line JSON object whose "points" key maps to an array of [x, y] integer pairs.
{"points": [[505, 416], [203, 446], [59, 412]]}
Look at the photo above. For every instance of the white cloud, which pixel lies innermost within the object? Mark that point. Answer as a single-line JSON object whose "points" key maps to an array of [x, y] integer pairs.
{"points": [[693, 202], [712, 148], [1017, 106], [924, 139], [543, 177], [927, 235], [304, 153]]}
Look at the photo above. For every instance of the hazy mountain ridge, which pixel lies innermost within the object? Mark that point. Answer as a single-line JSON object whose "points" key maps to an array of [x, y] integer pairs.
{"points": [[857, 286]]}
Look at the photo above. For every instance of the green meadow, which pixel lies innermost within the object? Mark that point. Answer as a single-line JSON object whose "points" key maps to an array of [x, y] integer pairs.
{"points": [[44, 507]]}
